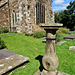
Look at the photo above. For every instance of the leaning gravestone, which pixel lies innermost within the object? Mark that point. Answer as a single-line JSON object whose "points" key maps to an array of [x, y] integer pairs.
{"points": [[50, 59], [9, 60]]}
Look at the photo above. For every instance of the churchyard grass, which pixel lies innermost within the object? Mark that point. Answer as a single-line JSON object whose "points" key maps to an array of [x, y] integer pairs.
{"points": [[31, 47]]}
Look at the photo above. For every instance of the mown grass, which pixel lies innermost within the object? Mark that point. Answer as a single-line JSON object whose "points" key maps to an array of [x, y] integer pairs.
{"points": [[33, 47]]}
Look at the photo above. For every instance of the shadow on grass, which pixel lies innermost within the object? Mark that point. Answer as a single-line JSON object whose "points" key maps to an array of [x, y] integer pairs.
{"points": [[40, 60]]}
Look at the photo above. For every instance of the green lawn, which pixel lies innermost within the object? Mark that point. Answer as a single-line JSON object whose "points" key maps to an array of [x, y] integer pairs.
{"points": [[33, 47]]}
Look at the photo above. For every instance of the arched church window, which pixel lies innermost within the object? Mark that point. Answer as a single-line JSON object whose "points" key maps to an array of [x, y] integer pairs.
{"points": [[14, 18], [40, 13]]}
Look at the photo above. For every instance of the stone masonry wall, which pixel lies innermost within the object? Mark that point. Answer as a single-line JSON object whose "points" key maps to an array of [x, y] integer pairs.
{"points": [[4, 18], [24, 19], [26, 14], [49, 11]]}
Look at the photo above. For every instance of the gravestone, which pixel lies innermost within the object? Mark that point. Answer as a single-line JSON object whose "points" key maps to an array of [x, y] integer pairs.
{"points": [[70, 33], [72, 48], [50, 60], [9, 60], [7, 35], [60, 42], [69, 37]]}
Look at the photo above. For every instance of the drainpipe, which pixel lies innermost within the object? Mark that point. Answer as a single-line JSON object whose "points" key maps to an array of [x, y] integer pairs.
{"points": [[9, 16]]}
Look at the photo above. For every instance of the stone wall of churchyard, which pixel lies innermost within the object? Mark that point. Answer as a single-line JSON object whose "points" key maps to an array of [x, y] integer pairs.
{"points": [[4, 18]]}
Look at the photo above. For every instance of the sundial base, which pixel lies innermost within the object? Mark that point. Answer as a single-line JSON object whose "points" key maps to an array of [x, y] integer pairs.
{"points": [[44, 72]]}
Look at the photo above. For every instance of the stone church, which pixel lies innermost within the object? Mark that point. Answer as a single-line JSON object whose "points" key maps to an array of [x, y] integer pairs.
{"points": [[26, 15]]}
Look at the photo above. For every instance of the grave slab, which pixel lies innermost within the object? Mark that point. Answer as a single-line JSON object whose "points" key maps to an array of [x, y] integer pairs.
{"points": [[69, 37], [60, 42], [7, 35], [9, 60]]}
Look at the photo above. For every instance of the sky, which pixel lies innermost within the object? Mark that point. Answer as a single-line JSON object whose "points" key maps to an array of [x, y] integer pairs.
{"points": [[59, 5]]}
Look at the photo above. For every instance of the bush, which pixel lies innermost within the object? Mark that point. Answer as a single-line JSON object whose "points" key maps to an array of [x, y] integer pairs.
{"points": [[63, 30], [59, 33], [2, 45], [57, 38], [1, 31], [5, 30], [39, 34], [29, 34], [74, 28]]}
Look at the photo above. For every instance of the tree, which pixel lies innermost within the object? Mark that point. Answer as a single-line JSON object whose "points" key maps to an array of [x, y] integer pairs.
{"points": [[71, 7], [71, 10], [67, 17]]}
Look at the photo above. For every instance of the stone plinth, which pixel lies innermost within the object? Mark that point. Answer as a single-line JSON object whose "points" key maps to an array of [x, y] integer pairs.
{"points": [[50, 73]]}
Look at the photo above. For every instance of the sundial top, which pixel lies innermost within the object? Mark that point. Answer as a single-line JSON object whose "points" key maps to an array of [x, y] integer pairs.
{"points": [[51, 25]]}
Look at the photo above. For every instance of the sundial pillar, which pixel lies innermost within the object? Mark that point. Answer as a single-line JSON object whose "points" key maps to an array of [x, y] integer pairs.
{"points": [[50, 59]]}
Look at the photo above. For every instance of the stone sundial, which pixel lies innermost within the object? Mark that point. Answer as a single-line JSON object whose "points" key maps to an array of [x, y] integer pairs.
{"points": [[50, 60]]}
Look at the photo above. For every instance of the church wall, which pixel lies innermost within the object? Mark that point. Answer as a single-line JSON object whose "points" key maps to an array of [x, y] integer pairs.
{"points": [[26, 14], [4, 18]]}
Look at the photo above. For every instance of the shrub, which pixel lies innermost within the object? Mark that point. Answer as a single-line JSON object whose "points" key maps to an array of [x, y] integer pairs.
{"points": [[29, 34], [1, 31], [63, 30], [39, 34], [57, 38], [59, 33], [74, 28], [5, 30], [2, 45]]}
